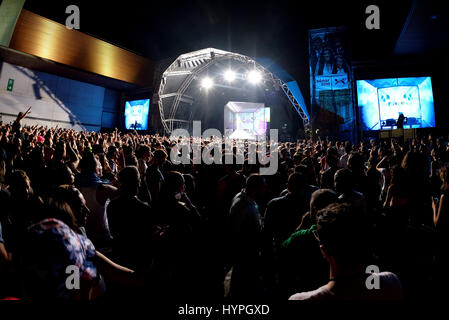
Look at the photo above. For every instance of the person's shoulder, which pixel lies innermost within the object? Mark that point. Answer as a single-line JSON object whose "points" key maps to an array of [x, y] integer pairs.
{"points": [[238, 198], [142, 204], [305, 232], [310, 188], [390, 286], [300, 296], [241, 204], [322, 293], [277, 200], [389, 278], [297, 237]]}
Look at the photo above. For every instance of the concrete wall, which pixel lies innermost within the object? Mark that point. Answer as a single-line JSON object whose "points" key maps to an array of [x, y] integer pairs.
{"points": [[56, 100]]}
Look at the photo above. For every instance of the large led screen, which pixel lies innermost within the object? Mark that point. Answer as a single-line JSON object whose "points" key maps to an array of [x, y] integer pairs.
{"points": [[382, 102], [136, 114]]}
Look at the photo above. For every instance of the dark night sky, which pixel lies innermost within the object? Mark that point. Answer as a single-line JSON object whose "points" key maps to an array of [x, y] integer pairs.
{"points": [[273, 29]]}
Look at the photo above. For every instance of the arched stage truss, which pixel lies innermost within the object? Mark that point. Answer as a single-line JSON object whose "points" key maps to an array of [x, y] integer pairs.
{"points": [[187, 67]]}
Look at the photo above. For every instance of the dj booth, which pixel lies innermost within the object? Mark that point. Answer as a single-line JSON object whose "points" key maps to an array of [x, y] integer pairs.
{"points": [[409, 123]]}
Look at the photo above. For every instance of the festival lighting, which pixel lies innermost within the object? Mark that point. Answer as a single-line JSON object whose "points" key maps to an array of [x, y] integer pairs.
{"points": [[207, 83], [229, 75], [254, 76]]}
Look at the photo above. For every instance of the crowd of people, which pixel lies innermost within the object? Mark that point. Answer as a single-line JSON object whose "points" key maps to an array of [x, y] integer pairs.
{"points": [[90, 215]]}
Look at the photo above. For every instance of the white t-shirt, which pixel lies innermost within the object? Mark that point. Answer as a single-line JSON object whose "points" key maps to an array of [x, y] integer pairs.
{"points": [[389, 289], [343, 162]]}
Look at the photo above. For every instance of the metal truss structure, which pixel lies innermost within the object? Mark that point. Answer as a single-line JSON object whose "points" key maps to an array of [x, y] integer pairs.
{"points": [[187, 67]]}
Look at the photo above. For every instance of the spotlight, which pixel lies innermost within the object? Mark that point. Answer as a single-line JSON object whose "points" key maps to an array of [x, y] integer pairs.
{"points": [[254, 76], [207, 83], [229, 75]]}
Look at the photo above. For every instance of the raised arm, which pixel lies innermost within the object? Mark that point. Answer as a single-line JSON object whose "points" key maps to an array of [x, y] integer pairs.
{"points": [[437, 208], [23, 115], [28, 111], [117, 273], [381, 163], [71, 155]]}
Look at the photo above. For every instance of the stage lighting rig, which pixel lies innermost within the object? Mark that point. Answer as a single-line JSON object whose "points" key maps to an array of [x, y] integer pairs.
{"points": [[229, 75], [254, 77], [207, 83]]}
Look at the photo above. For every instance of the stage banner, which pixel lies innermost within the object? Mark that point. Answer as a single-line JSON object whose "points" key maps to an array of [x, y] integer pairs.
{"points": [[330, 82]]}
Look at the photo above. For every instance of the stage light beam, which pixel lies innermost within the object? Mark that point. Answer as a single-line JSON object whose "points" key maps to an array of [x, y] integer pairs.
{"points": [[207, 83], [229, 75], [254, 77]]}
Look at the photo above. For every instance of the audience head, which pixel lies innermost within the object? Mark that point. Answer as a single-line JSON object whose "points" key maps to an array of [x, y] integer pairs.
{"points": [[129, 179], [331, 159], [64, 175], [90, 163], [296, 183], [61, 210], [255, 185], [321, 199], [397, 176], [20, 185], [343, 181], [19, 116], [341, 234], [98, 149], [131, 160], [112, 152], [143, 152], [173, 184], [348, 147], [356, 163], [75, 199], [159, 157]]}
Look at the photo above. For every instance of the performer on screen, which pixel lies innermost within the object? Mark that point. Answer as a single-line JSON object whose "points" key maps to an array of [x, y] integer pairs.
{"points": [[400, 121], [134, 116]]}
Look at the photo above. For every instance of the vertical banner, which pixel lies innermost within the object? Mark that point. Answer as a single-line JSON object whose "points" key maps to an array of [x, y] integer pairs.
{"points": [[330, 82]]}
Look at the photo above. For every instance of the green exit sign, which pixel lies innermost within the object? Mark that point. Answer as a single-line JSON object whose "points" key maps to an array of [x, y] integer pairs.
{"points": [[10, 84]]}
